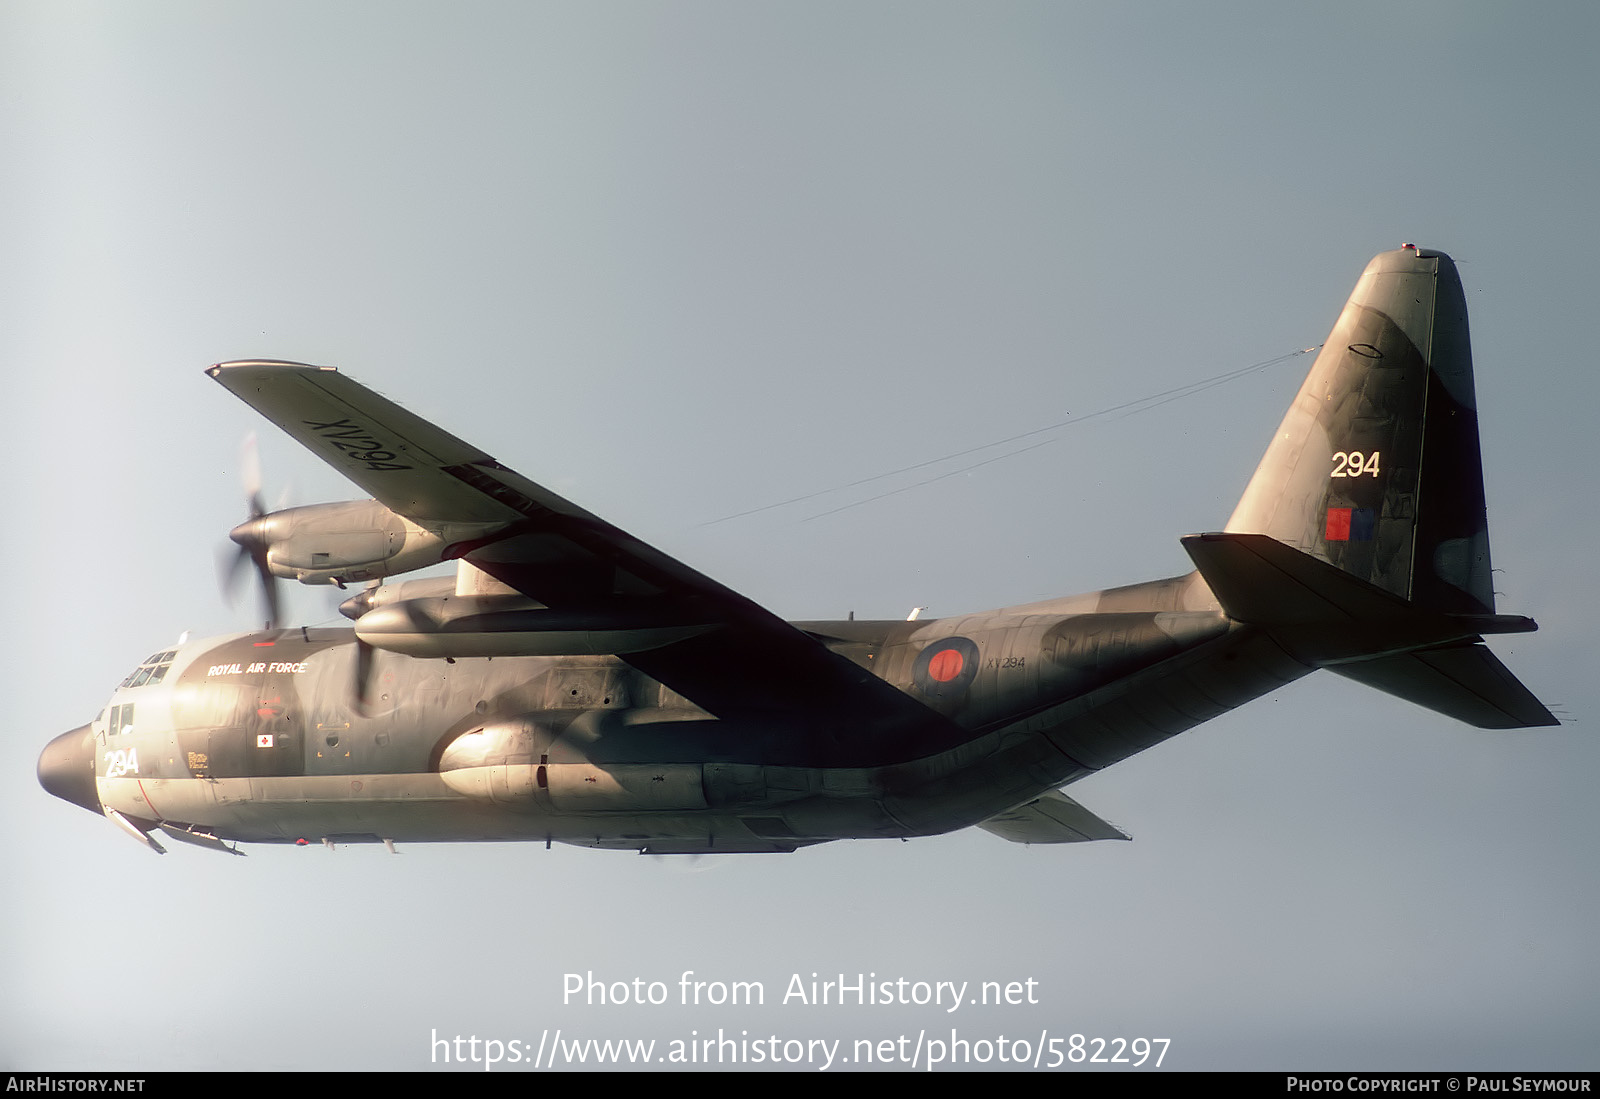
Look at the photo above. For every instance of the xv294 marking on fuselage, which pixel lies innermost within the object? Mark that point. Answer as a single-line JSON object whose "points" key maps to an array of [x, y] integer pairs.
{"points": [[573, 684]]}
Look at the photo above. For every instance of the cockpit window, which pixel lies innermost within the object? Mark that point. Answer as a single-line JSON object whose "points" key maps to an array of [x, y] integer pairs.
{"points": [[151, 671]]}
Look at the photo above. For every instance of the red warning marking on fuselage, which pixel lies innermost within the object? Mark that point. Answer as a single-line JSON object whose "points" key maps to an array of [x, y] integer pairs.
{"points": [[147, 800], [945, 666]]}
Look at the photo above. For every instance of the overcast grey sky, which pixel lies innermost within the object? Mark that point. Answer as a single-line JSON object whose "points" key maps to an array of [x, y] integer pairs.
{"points": [[680, 260]]}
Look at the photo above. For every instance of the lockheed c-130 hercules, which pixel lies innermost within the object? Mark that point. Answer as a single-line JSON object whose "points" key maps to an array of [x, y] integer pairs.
{"points": [[572, 684]]}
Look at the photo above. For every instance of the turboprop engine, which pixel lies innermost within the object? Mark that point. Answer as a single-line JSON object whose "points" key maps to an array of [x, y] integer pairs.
{"points": [[339, 543]]}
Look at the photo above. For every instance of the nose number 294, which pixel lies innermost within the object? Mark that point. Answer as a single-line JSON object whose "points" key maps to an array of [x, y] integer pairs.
{"points": [[124, 761]]}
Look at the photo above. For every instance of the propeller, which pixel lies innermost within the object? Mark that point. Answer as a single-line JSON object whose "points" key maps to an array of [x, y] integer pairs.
{"points": [[366, 654], [252, 536], [353, 608], [363, 684]]}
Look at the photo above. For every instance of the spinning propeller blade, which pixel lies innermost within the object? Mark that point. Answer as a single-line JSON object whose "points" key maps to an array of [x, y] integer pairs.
{"points": [[251, 538]]}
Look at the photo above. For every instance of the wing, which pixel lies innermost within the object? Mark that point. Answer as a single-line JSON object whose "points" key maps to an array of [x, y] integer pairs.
{"points": [[747, 663]]}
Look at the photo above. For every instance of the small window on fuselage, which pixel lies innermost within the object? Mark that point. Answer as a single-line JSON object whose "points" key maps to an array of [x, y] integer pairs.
{"points": [[121, 718]]}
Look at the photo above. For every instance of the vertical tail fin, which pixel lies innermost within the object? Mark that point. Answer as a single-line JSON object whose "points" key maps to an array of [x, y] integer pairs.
{"points": [[1376, 468], [1376, 473]]}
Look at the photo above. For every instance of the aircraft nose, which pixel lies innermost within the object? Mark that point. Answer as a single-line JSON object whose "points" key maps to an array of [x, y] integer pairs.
{"points": [[66, 769]]}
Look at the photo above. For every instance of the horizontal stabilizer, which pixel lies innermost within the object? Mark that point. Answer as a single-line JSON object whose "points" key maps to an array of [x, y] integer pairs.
{"points": [[1326, 617], [1466, 682], [1261, 581], [1053, 818]]}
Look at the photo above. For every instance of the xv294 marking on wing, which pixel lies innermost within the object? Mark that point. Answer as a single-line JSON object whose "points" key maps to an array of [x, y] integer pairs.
{"points": [[573, 684]]}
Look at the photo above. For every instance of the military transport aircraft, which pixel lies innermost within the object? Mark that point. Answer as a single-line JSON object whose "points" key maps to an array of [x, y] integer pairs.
{"points": [[572, 684]]}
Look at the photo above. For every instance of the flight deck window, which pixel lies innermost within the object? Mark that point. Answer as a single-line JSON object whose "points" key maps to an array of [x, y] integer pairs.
{"points": [[151, 671]]}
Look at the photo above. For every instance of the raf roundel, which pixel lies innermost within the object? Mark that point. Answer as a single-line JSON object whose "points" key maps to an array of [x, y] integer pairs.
{"points": [[946, 667]]}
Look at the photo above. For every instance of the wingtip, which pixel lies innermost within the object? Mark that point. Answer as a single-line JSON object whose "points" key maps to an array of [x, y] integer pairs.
{"points": [[216, 370]]}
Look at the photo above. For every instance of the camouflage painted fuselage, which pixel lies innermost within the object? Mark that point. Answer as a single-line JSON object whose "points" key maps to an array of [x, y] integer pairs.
{"points": [[1361, 545], [257, 737]]}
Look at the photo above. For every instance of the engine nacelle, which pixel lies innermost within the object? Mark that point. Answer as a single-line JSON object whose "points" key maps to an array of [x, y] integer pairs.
{"points": [[340, 543], [510, 625], [385, 595]]}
